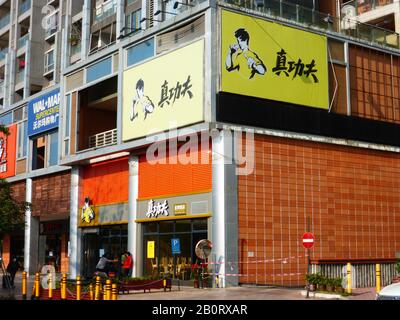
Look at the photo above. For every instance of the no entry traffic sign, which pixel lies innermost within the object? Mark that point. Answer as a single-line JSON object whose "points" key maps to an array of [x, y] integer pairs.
{"points": [[308, 240]]}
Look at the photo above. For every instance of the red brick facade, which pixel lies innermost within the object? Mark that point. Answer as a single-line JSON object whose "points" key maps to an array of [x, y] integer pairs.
{"points": [[51, 194], [350, 194]]}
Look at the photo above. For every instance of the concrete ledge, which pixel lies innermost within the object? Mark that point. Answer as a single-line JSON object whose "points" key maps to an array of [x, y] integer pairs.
{"points": [[324, 295]]}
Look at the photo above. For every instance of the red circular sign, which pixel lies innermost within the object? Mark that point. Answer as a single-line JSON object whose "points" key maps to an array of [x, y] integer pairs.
{"points": [[308, 240]]}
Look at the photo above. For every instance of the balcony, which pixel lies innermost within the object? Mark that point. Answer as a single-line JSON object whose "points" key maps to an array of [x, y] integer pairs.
{"points": [[105, 10], [103, 139], [312, 19], [366, 5], [4, 21], [22, 41], [24, 7]]}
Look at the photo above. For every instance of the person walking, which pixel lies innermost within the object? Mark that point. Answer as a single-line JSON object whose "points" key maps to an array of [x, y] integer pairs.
{"points": [[12, 269]]}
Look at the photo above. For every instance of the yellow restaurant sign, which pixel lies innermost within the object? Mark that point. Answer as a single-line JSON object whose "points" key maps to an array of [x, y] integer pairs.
{"points": [[164, 93], [270, 61]]}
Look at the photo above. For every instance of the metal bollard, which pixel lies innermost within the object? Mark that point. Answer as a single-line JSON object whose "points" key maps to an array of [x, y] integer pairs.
{"points": [[78, 288], [37, 285], [24, 285], [97, 290], [91, 292], [349, 278], [108, 289], [114, 292], [64, 287], [50, 283], [378, 278]]}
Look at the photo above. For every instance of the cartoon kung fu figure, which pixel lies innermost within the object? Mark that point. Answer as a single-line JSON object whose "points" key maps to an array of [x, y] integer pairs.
{"points": [[141, 103], [242, 59], [87, 212]]}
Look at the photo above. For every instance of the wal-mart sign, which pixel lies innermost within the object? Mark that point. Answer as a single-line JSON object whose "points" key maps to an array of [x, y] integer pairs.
{"points": [[44, 113]]}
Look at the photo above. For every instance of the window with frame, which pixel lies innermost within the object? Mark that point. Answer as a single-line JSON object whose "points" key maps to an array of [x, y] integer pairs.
{"points": [[49, 61], [45, 151]]}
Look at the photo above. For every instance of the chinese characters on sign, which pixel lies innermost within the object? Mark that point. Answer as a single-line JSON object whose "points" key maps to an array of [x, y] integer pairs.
{"points": [[3, 155], [155, 210], [287, 67], [44, 113], [175, 93]]}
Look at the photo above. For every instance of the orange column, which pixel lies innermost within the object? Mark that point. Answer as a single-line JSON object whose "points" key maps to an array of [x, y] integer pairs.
{"points": [[6, 249], [64, 254]]}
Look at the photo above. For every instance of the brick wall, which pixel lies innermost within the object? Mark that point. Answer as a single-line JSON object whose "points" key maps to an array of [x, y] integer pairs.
{"points": [[51, 194], [18, 190], [350, 194]]}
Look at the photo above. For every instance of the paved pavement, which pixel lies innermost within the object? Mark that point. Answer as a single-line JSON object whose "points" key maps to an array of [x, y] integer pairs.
{"points": [[190, 293]]}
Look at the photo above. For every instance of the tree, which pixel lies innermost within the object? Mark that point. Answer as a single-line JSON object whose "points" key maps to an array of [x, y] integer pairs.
{"points": [[12, 212]]}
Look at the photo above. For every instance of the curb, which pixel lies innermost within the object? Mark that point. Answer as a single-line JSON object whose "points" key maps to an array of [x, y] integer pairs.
{"points": [[324, 295]]}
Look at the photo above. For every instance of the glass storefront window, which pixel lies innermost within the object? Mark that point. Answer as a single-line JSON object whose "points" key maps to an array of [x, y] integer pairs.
{"points": [[167, 226], [183, 226], [199, 224], [189, 232]]}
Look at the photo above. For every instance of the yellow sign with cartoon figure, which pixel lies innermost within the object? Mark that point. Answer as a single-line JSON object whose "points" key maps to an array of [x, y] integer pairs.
{"points": [[270, 61], [164, 93]]}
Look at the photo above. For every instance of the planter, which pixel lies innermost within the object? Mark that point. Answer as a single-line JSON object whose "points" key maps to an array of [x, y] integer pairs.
{"points": [[312, 287], [339, 289], [396, 280], [322, 287], [329, 288]]}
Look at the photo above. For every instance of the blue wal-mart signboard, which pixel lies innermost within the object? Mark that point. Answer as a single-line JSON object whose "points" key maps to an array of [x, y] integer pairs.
{"points": [[44, 113]]}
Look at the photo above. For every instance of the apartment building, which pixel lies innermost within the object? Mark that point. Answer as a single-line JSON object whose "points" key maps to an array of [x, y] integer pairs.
{"points": [[319, 98]]}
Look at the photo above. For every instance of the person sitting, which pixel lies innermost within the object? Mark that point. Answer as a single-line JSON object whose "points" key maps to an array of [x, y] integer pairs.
{"points": [[12, 269]]}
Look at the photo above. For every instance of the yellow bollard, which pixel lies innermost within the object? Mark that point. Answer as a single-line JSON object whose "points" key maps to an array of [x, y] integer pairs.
{"points": [[78, 288], [64, 287], [378, 278], [114, 295], [97, 290], [165, 284], [91, 292], [50, 287], [37, 285], [24, 285], [108, 289], [349, 278]]}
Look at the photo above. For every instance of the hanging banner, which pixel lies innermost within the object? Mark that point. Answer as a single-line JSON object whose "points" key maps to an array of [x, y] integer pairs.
{"points": [[43, 113], [270, 61], [164, 93], [8, 147]]}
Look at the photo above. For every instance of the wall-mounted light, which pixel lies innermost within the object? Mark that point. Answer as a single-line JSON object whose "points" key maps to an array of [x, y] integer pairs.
{"points": [[150, 19], [133, 30], [161, 11], [177, 3]]}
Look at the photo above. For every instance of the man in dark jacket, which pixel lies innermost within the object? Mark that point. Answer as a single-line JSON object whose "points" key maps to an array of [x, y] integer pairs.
{"points": [[12, 269]]}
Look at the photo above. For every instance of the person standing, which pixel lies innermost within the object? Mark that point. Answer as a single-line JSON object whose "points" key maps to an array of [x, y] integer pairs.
{"points": [[127, 265]]}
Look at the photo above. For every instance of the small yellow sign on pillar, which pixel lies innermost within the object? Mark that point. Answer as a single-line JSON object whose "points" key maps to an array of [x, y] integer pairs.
{"points": [[150, 249]]}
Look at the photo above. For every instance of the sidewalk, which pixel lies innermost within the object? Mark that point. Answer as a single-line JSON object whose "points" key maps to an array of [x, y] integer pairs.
{"points": [[190, 293]]}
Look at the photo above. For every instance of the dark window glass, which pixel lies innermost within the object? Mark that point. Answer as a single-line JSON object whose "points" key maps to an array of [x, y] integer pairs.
{"points": [[183, 226], [200, 224], [150, 228], [166, 226]]}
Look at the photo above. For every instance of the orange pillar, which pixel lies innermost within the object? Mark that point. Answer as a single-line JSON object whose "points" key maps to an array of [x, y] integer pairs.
{"points": [[6, 249]]}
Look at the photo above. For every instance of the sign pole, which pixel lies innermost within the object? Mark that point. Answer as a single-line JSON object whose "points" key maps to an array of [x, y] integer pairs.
{"points": [[308, 259]]}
